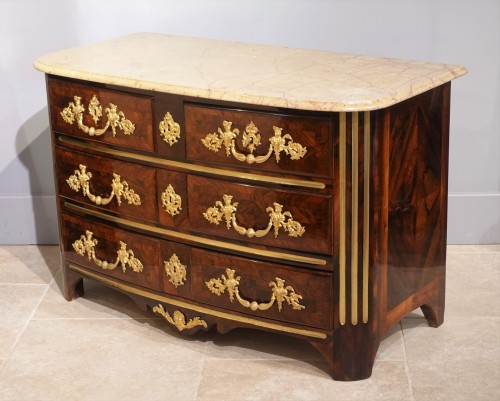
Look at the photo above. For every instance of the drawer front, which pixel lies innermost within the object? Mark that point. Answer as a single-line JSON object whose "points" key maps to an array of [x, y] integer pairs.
{"points": [[277, 218], [100, 114], [263, 289], [113, 185], [272, 142], [114, 252]]}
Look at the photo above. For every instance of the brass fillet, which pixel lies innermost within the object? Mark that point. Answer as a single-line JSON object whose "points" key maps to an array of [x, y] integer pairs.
{"points": [[200, 240], [194, 167], [366, 213], [354, 218], [342, 217]]}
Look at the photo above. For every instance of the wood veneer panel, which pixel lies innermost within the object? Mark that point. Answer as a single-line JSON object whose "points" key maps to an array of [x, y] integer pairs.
{"points": [[311, 132], [145, 249], [314, 287], [312, 211], [136, 108], [417, 194]]}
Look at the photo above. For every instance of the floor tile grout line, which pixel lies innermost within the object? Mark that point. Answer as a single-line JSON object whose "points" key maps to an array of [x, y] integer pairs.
{"points": [[201, 376], [96, 318], [407, 365], [30, 318], [26, 284]]}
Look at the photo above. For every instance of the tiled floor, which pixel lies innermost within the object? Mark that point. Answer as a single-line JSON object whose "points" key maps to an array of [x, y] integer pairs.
{"points": [[102, 347]]}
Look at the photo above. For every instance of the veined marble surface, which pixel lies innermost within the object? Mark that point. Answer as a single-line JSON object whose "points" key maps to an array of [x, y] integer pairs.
{"points": [[249, 73]]}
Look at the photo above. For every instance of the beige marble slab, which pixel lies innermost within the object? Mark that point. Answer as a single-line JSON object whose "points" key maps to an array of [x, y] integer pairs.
{"points": [[249, 73]]}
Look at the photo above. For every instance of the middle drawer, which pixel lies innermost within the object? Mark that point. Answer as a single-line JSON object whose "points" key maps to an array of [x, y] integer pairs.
{"points": [[260, 215], [279, 218], [113, 185]]}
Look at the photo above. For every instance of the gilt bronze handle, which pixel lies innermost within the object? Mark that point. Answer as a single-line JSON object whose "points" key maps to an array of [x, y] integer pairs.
{"points": [[116, 119], [277, 219], [251, 139], [279, 293]]}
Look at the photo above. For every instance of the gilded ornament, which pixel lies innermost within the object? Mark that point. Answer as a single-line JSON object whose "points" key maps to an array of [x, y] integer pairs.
{"points": [[251, 139], [279, 293], [95, 109], [175, 271], [170, 131], [116, 119], [81, 179], [179, 320], [171, 201], [125, 257], [277, 219]]}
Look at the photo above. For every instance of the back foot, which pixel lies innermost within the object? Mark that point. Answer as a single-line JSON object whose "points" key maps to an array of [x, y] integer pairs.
{"points": [[433, 314]]}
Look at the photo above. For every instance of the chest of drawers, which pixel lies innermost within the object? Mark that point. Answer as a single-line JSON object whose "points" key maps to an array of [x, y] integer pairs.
{"points": [[226, 185]]}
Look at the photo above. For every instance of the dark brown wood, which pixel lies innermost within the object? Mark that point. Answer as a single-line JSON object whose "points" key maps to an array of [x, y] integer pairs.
{"points": [[314, 287], [140, 179], [312, 210], [311, 132], [407, 214], [418, 168], [136, 108], [173, 104], [408, 226], [145, 249], [72, 284]]}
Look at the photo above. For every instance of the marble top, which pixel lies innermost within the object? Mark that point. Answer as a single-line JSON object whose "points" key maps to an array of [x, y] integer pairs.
{"points": [[249, 73]]}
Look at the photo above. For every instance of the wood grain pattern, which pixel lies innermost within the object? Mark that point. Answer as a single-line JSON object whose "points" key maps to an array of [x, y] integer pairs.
{"points": [[136, 108], [408, 226], [315, 287], [139, 178], [407, 214], [311, 132], [418, 167], [146, 249], [312, 211]]}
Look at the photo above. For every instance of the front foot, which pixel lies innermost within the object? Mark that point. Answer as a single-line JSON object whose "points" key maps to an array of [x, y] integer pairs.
{"points": [[72, 284]]}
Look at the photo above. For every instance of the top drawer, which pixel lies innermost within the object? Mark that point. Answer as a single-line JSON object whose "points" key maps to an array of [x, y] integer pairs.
{"points": [[104, 115], [264, 141]]}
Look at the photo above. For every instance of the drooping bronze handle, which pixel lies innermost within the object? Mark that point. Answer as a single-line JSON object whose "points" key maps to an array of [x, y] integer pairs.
{"points": [[81, 179], [277, 219], [116, 119], [280, 293], [86, 246], [250, 140]]}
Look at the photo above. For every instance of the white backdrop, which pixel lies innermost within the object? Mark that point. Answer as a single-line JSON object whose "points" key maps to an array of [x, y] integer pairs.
{"points": [[455, 32]]}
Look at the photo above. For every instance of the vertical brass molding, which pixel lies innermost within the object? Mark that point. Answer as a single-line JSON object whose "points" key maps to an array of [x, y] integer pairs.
{"points": [[354, 218], [366, 213], [342, 216]]}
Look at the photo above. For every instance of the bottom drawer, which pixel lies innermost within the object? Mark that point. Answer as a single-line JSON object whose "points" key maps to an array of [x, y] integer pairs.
{"points": [[263, 289], [149, 262]]}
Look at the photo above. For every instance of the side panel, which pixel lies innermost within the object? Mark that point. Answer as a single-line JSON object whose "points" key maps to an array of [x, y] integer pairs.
{"points": [[417, 204]]}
